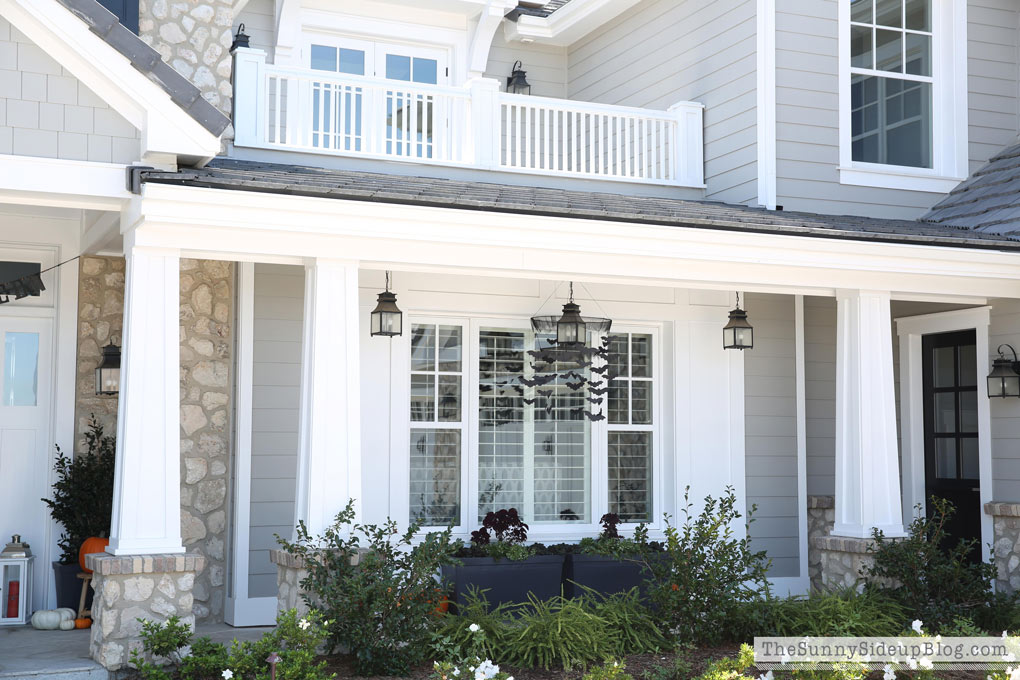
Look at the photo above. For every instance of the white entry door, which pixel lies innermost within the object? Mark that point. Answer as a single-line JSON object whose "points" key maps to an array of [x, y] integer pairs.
{"points": [[25, 379]]}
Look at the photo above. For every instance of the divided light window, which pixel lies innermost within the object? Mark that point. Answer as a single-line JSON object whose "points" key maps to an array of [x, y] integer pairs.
{"points": [[891, 82], [630, 426]]}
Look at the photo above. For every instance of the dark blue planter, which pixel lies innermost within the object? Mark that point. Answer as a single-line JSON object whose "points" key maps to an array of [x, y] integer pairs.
{"points": [[506, 581], [605, 575]]}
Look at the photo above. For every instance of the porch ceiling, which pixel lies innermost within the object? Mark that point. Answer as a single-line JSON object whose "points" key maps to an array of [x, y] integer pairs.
{"points": [[237, 175]]}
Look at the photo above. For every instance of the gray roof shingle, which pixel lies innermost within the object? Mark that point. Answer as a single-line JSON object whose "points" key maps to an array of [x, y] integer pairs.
{"points": [[105, 24], [542, 11], [232, 174], [988, 201]]}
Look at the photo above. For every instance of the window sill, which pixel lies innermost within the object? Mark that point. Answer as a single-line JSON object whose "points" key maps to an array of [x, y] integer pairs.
{"points": [[891, 177]]}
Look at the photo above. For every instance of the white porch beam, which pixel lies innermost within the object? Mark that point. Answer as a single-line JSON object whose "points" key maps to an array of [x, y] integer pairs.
{"points": [[147, 481], [867, 453], [329, 455]]}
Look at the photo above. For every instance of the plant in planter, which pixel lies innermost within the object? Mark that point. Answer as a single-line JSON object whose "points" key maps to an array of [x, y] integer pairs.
{"points": [[610, 563], [501, 566], [82, 503]]}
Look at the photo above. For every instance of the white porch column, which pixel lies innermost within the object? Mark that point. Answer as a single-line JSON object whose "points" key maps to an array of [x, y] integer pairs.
{"points": [[867, 452], [147, 486], [329, 458]]}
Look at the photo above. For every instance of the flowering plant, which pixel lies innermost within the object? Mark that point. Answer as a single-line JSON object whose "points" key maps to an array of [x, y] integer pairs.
{"points": [[467, 664]]}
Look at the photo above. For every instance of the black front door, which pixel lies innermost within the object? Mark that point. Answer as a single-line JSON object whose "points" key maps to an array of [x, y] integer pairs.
{"points": [[951, 430]]}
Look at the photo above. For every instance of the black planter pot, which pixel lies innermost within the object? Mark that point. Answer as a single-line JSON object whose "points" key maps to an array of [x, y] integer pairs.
{"points": [[505, 580], [68, 585], [603, 574]]}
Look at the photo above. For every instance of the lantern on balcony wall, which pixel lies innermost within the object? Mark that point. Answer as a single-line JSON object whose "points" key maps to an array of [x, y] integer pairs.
{"points": [[108, 371], [387, 319], [241, 39], [738, 333], [570, 327], [517, 81], [1004, 380], [15, 582]]}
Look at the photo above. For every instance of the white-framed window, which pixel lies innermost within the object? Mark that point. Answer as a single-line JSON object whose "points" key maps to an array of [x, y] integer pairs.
{"points": [[903, 93], [483, 438]]}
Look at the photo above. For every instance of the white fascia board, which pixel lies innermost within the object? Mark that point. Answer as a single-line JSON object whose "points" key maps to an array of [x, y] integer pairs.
{"points": [[254, 226], [568, 24], [63, 183], [165, 127]]}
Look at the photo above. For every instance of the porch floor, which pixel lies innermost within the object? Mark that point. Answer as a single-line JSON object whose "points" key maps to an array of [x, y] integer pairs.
{"points": [[30, 654]]}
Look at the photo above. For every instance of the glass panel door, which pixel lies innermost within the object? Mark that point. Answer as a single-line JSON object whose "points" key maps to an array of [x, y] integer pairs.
{"points": [[338, 108], [410, 114]]}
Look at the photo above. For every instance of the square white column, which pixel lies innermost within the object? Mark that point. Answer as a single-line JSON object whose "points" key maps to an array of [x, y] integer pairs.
{"points": [[867, 450], [329, 455], [147, 485]]}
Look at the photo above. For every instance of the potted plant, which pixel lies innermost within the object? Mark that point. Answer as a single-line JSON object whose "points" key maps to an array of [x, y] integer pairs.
{"points": [[500, 566], [82, 504], [610, 563]]}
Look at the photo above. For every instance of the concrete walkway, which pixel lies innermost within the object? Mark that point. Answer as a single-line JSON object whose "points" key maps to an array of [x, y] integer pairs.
{"points": [[29, 654]]}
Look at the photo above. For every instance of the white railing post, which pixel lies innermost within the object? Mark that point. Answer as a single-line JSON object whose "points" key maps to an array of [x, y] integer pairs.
{"points": [[249, 96], [688, 161], [486, 127]]}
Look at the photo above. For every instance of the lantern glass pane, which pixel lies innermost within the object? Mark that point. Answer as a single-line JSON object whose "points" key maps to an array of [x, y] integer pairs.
{"points": [[566, 333], [376, 322], [12, 579], [21, 369], [1011, 386], [729, 337], [995, 386], [392, 323], [745, 337], [107, 380]]}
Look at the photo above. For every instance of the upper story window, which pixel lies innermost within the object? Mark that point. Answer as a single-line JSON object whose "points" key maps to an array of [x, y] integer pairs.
{"points": [[891, 82], [903, 93]]}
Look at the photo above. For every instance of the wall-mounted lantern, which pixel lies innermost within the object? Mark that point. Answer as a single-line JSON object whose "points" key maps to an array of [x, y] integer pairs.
{"points": [[241, 39], [387, 319], [738, 333], [1004, 380], [517, 81], [108, 371]]}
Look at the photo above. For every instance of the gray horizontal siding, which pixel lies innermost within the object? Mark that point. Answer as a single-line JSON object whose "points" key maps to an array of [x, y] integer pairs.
{"points": [[770, 431], [665, 51], [820, 393], [1005, 328]]}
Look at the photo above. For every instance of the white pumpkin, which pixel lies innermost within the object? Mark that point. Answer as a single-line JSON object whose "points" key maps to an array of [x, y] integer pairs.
{"points": [[67, 614], [67, 624], [46, 619]]}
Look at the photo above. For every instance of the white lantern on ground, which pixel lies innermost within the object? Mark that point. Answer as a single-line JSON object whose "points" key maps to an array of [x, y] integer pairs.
{"points": [[15, 582]]}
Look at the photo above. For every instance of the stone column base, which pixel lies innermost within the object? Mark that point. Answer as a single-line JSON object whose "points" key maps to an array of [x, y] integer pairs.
{"points": [[1006, 545], [132, 587], [842, 560], [821, 514], [290, 571]]}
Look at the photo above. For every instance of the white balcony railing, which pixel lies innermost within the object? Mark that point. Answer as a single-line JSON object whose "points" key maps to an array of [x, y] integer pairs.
{"points": [[476, 125]]}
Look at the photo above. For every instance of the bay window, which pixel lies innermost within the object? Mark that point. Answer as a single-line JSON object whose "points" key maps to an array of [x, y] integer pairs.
{"points": [[495, 423]]}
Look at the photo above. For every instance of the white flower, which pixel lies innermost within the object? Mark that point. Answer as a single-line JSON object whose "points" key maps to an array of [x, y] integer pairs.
{"points": [[926, 663], [912, 664], [474, 628], [304, 624], [1014, 673], [227, 674], [916, 625], [456, 672], [766, 676], [890, 674], [938, 638]]}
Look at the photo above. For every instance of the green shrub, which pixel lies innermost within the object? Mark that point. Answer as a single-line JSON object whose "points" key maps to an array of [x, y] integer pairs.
{"points": [[82, 500], [678, 669], [610, 670], [708, 574], [294, 640], [840, 613], [730, 668], [557, 632], [635, 627], [610, 543], [376, 587], [457, 639], [928, 573], [1000, 613]]}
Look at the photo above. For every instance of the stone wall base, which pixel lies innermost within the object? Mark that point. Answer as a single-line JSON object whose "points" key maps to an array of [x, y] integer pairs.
{"points": [[133, 587], [290, 571], [842, 560], [1006, 545], [821, 514]]}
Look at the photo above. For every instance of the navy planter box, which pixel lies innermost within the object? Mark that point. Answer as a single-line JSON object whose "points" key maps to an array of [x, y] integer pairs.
{"points": [[603, 574], [506, 580], [68, 586]]}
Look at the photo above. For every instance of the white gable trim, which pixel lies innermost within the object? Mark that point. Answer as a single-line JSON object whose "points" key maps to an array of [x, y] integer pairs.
{"points": [[568, 24], [166, 129]]}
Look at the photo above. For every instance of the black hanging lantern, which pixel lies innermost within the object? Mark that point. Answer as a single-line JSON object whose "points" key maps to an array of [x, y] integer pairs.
{"points": [[108, 371], [1004, 380], [517, 81], [738, 333], [570, 327], [387, 319], [241, 39]]}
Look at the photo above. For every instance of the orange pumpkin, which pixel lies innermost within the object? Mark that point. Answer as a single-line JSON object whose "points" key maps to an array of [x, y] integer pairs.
{"points": [[83, 623], [91, 545]]}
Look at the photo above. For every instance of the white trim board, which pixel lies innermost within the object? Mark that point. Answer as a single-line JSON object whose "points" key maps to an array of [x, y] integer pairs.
{"points": [[766, 102], [166, 128], [567, 24], [910, 331], [61, 183]]}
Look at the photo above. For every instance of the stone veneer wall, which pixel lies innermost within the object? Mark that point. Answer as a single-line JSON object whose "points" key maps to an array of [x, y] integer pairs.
{"points": [[194, 37], [100, 316], [207, 301], [821, 514], [132, 588], [1006, 545], [290, 571]]}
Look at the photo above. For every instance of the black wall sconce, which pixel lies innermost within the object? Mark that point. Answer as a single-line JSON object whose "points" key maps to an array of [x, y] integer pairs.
{"points": [[108, 372], [1004, 380], [517, 81]]}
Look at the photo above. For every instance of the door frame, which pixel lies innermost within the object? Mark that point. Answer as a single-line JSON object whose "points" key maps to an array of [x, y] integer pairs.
{"points": [[910, 330]]}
